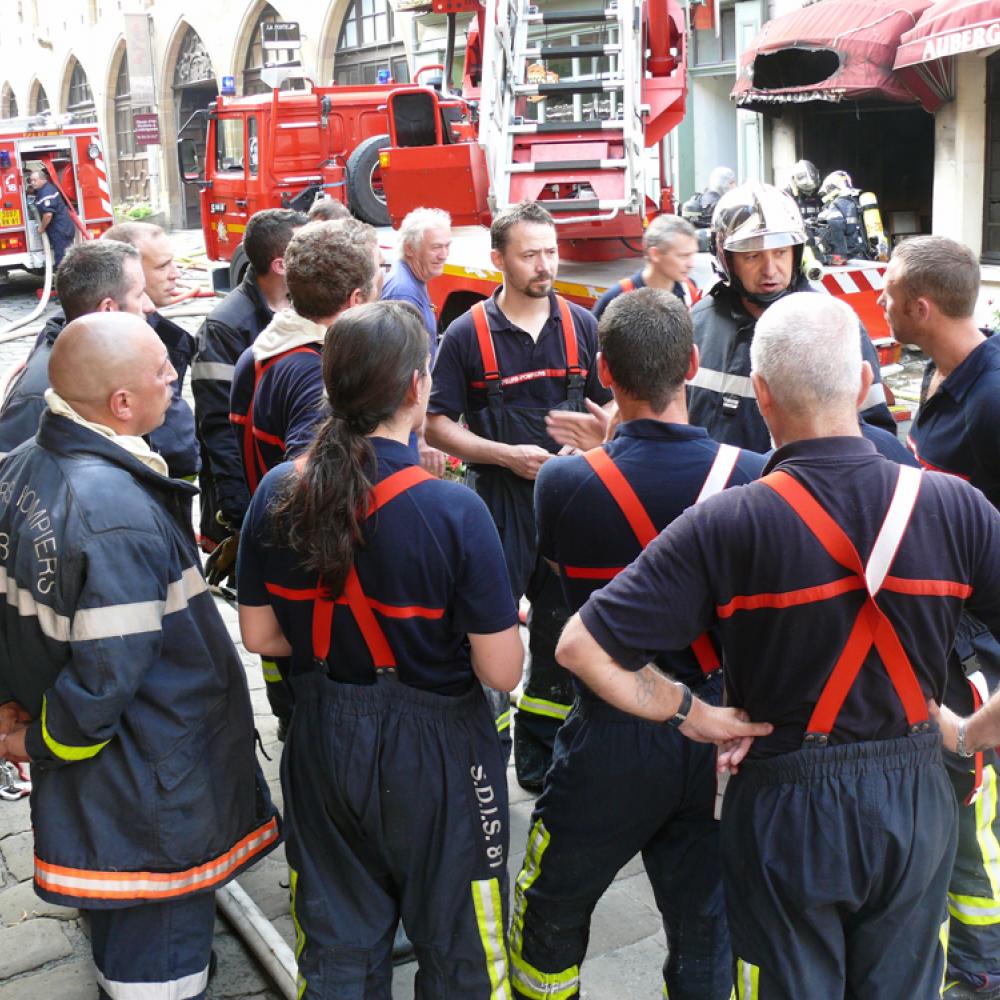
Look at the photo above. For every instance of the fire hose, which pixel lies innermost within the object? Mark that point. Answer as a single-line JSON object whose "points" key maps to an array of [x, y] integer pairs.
{"points": [[10, 331]]}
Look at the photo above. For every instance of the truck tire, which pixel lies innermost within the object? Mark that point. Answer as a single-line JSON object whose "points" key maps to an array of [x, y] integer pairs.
{"points": [[367, 202], [238, 266]]}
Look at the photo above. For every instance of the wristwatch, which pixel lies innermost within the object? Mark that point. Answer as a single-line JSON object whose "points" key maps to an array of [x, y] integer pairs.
{"points": [[960, 740], [679, 717]]}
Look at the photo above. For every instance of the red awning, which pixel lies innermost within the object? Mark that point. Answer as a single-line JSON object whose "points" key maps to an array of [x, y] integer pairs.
{"points": [[948, 28], [829, 51]]}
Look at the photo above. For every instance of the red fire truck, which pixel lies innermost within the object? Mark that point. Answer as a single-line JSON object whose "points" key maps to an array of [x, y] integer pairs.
{"points": [[73, 154], [566, 106]]}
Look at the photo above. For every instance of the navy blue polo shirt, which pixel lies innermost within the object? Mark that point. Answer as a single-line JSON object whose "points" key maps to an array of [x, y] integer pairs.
{"points": [[616, 289], [666, 465], [434, 548], [459, 362], [957, 430], [288, 405], [701, 572]]}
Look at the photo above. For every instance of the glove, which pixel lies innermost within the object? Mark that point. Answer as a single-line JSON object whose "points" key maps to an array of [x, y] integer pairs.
{"points": [[220, 567]]}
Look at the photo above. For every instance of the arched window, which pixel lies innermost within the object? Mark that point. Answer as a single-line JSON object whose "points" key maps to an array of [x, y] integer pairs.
{"points": [[133, 164], [8, 102], [367, 44], [39, 102], [80, 100], [254, 62]]}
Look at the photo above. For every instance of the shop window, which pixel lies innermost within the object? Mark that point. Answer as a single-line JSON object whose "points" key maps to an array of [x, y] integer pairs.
{"points": [[991, 207]]}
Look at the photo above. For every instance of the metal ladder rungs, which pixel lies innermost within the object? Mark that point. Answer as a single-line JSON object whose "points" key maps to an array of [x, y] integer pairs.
{"points": [[593, 16], [567, 127], [571, 51], [571, 87], [564, 166]]}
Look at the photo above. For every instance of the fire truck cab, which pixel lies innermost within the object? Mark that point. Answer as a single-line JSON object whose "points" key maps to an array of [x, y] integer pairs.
{"points": [[73, 155], [280, 150]]}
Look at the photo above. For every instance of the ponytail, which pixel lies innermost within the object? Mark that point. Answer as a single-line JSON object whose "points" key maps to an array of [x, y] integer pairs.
{"points": [[369, 357]]}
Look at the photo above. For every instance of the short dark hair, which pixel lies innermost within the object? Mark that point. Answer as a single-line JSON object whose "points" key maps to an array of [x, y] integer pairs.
{"points": [[645, 338], [267, 234], [325, 262], [328, 210], [942, 270], [523, 211], [92, 272]]}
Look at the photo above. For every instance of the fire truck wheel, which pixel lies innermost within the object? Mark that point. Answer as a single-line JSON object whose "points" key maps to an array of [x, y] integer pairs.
{"points": [[364, 182]]}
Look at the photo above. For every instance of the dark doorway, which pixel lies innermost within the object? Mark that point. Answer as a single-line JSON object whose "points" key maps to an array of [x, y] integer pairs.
{"points": [[195, 88], [190, 99], [886, 148]]}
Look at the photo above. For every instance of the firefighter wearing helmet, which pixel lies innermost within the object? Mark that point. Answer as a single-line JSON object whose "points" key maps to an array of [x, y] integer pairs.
{"points": [[758, 239], [842, 230], [803, 186]]}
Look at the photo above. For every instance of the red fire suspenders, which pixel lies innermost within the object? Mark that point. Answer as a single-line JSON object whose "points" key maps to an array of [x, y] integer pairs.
{"points": [[253, 460], [361, 606], [645, 531], [489, 356], [626, 285], [871, 626]]}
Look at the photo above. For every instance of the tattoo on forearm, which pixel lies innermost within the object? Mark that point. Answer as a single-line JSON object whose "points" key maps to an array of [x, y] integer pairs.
{"points": [[645, 685]]}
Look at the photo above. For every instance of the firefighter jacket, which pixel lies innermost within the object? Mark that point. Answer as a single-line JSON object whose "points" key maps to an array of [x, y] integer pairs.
{"points": [[174, 438], [720, 396], [25, 402], [146, 786], [278, 400], [230, 328]]}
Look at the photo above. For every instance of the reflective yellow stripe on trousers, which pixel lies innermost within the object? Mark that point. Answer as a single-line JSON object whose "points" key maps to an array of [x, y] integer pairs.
{"points": [[747, 980], [489, 919], [980, 911], [539, 706]]}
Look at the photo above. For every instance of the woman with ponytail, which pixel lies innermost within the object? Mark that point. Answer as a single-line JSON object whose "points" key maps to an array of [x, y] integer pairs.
{"points": [[387, 589]]}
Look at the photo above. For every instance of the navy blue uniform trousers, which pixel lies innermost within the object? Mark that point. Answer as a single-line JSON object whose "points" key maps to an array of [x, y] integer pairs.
{"points": [[836, 864], [395, 807], [164, 947], [619, 786]]}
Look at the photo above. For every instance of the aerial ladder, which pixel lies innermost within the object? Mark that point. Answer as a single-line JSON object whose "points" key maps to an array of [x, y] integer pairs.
{"points": [[577, 142]]}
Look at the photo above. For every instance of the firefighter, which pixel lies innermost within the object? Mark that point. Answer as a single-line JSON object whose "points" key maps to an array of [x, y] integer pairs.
{"points": [[393, 778], [839, 829], [758, 238], [699, 207], [503, 365], [929, 298], [228, 330], [174, 440], [146, 795], [102, 276], [596, 812], [803, 186], [842, 228], [276, 398], [670, 246], [53, 213]]}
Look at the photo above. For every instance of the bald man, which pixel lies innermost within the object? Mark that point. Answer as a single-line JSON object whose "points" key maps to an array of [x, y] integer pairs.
{"points": [[118, 679]]}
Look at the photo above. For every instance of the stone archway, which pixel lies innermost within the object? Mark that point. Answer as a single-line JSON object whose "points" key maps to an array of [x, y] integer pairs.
{"points": [[38, 99], [8, 102], [79, 98], [193, 86]]}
